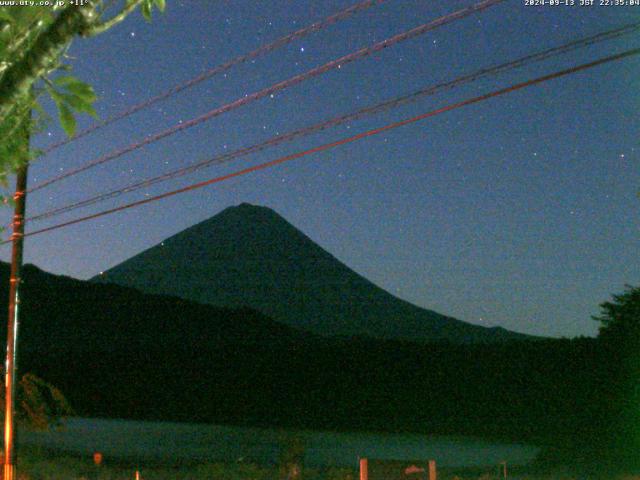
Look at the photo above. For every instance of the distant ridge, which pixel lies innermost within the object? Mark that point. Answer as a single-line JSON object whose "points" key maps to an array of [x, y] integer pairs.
{"points": [[118, 353], [250, 256]]}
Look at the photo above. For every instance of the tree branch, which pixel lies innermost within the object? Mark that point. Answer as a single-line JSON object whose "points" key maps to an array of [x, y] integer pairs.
{"points": [[19, 77], [99, 28]]}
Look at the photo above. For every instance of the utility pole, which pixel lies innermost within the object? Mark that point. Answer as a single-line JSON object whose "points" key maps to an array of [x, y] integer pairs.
{"points": [[12, 325]]}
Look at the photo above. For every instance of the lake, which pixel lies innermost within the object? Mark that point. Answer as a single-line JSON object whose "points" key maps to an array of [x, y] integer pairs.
{"points": [[175, 442]]}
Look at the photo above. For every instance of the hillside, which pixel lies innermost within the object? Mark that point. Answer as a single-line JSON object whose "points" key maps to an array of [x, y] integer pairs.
{"points": [[249, 256], [119, 353]]}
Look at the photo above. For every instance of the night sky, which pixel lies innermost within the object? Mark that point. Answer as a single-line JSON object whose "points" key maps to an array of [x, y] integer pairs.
{"points": [[521, 211]]}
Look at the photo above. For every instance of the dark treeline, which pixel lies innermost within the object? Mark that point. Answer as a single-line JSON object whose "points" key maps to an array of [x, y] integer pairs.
{"points": [[118, 353]]}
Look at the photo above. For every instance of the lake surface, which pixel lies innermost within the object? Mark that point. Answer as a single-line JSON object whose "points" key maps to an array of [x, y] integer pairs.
{"points": [[162, 441]]}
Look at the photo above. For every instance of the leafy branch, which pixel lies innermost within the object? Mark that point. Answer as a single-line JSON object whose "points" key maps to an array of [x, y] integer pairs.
{"points": [[33, 40], [41, 405], [70, 94]]}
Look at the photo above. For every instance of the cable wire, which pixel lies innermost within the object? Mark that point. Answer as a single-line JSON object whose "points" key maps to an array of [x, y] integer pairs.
{"points": [[367, 111], [343, 141], [280, 42], [334, 64]]}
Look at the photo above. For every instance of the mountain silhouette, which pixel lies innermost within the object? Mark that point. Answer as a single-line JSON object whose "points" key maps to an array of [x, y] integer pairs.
{"points": [[250, 256], [119, 353]]}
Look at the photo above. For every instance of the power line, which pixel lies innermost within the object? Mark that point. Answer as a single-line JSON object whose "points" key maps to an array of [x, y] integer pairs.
{"points": [[343, 141], [334, 64], [380, 107], [280, 42]]}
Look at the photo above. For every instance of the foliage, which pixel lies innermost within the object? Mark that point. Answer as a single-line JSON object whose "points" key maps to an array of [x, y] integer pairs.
{"points": [[40, 405], [620, 318], [39, 466], [34, 41], [70, 94], [619, 336], [291, 457]]}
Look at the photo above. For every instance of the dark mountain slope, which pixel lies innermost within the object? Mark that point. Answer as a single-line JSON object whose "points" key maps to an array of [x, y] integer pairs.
{"points": [[116, 352], [120, 353], [85, 316], [251, 256]]}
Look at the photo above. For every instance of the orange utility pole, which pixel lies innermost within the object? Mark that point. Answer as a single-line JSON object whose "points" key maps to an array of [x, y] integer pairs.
{"points": [[12, 325]]}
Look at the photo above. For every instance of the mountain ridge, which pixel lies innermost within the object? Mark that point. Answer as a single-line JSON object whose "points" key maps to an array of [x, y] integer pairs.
{"points": [[250, 256], [119, 353]]}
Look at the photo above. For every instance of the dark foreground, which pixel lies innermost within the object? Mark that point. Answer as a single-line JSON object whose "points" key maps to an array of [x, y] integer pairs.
{"points": [[42, 465]]}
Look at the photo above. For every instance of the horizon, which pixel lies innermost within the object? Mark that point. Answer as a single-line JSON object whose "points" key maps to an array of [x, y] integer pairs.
{"points": [[280, 218]]}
